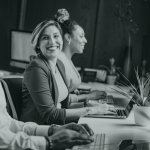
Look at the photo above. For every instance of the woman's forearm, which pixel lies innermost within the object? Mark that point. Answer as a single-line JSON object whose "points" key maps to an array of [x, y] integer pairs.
{"points": [[82, 97], [76, 105], [72, 114], [74, 98]]}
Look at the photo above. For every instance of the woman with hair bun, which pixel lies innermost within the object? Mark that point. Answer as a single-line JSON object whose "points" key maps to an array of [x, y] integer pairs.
{"points": [[46, 99], [74, 42]]}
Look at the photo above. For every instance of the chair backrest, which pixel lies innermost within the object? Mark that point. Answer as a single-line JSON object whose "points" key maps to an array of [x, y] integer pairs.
{"points": [[3, 97], [13, 90]]}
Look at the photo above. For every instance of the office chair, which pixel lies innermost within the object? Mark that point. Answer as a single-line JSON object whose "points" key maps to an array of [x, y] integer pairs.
{"points": [[3, 93], [13, 91]]}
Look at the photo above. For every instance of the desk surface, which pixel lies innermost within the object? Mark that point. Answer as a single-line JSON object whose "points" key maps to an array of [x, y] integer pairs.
{"points": [[116, 130]]}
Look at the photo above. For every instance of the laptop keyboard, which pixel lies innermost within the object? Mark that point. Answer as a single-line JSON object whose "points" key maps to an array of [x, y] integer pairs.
{"points": [[108, 100], [101, 142], [98, 144], [121, 113]]}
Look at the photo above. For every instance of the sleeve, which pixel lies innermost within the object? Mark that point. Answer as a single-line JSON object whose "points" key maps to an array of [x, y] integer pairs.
{"points": [[37, 82], [21, 141], [29, 128]]}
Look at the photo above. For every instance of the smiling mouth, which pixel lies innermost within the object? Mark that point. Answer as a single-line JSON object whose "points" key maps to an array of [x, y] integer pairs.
{"points": [[52, 48]]}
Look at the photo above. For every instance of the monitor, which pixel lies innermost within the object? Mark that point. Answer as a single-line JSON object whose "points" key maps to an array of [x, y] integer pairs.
{"points": [[20, 48]]}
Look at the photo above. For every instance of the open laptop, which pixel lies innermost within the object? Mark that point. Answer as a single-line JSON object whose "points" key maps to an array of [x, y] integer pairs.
{"points": [[121, 113]]}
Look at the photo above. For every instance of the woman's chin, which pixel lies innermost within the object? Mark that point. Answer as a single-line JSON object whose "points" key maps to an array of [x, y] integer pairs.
{"points": [[81, 51]]}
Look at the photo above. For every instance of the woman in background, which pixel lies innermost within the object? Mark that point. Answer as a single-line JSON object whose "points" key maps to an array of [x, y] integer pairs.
{"points": [[46, 98], [74, 42]]}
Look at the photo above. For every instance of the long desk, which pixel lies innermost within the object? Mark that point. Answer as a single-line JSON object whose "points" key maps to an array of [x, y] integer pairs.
{"points": [[116, 130]]}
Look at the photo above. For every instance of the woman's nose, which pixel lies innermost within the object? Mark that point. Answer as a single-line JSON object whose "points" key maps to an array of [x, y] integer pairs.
{"points": [[51, 40], [85, 40]]}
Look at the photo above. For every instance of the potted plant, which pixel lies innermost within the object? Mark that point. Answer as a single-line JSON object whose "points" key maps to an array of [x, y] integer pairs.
{"points": [[141, 98], [124, 12], [112, 74]]}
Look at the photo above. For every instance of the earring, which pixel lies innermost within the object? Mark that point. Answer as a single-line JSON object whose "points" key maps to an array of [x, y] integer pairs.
{"points": [[68, 42]]}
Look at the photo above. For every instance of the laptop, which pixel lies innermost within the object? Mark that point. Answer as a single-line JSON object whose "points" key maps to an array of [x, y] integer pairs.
{"points": [[121, 113]]}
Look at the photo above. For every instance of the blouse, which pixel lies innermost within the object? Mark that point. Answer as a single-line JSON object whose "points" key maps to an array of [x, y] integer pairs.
{"points": [[62, 88], [72, 75]]}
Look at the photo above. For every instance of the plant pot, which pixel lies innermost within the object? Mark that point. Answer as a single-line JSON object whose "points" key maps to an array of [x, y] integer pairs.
{"points": [[111, 79], [142, 115]]}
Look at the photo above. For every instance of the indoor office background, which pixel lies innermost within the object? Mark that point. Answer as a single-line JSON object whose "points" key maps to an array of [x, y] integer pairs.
{"points": [[105, 34]]}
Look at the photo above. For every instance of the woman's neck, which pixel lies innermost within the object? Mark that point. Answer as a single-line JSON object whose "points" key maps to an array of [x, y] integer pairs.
{"points": [[67, 51], [54, 61]]}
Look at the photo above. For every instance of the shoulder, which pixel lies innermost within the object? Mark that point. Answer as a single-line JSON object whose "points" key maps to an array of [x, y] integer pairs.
{"points": [[63, 58], [37, 63]]}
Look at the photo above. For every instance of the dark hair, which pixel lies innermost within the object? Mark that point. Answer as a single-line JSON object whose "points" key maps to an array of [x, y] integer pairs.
{"points": [[67, 24], [38, 31]]}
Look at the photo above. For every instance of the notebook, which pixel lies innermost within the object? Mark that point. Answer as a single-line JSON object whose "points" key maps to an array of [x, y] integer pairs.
{"points": [[121, 114]]}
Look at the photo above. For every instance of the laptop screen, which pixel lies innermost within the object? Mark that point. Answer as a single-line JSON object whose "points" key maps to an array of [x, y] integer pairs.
{"points": [[129, 107]]}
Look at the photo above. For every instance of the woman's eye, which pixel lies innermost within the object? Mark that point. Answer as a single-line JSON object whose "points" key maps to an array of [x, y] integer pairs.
{"points": [[45, 38], [56, 36]]}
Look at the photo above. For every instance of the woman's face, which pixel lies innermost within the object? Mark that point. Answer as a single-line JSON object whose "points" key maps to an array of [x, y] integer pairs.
{"points": [[78, 40], [50, 42]]}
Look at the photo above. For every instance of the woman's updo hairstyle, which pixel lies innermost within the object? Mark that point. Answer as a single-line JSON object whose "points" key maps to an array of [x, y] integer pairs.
{"points": [[63, 18]]}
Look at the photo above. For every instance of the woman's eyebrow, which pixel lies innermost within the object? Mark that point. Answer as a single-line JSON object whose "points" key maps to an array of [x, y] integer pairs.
{"points": [[56, 33], [44, 35]]}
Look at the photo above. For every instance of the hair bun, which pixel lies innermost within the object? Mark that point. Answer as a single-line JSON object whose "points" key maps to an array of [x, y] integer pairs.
{"points": [[62, 15]]}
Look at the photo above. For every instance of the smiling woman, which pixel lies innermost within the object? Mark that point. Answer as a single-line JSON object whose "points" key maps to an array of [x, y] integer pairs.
{"points": [[46, 99]]}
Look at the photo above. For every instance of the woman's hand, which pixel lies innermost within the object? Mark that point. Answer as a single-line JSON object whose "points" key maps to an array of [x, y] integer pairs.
{"points": [[92, 104], [68, 138], [96, 95], [82, 128], [103, 109]]}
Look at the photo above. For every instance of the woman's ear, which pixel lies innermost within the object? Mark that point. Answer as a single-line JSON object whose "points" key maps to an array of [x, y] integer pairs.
{"points": [[68, 38]]}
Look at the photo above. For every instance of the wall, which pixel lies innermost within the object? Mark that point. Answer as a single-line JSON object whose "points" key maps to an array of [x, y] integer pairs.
{"points": [[111, 37], [83, 11], [9, 14], [106, 36]]}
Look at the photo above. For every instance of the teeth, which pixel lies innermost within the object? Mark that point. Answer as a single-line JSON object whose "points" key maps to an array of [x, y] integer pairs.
{"points": [[52, 47]]}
